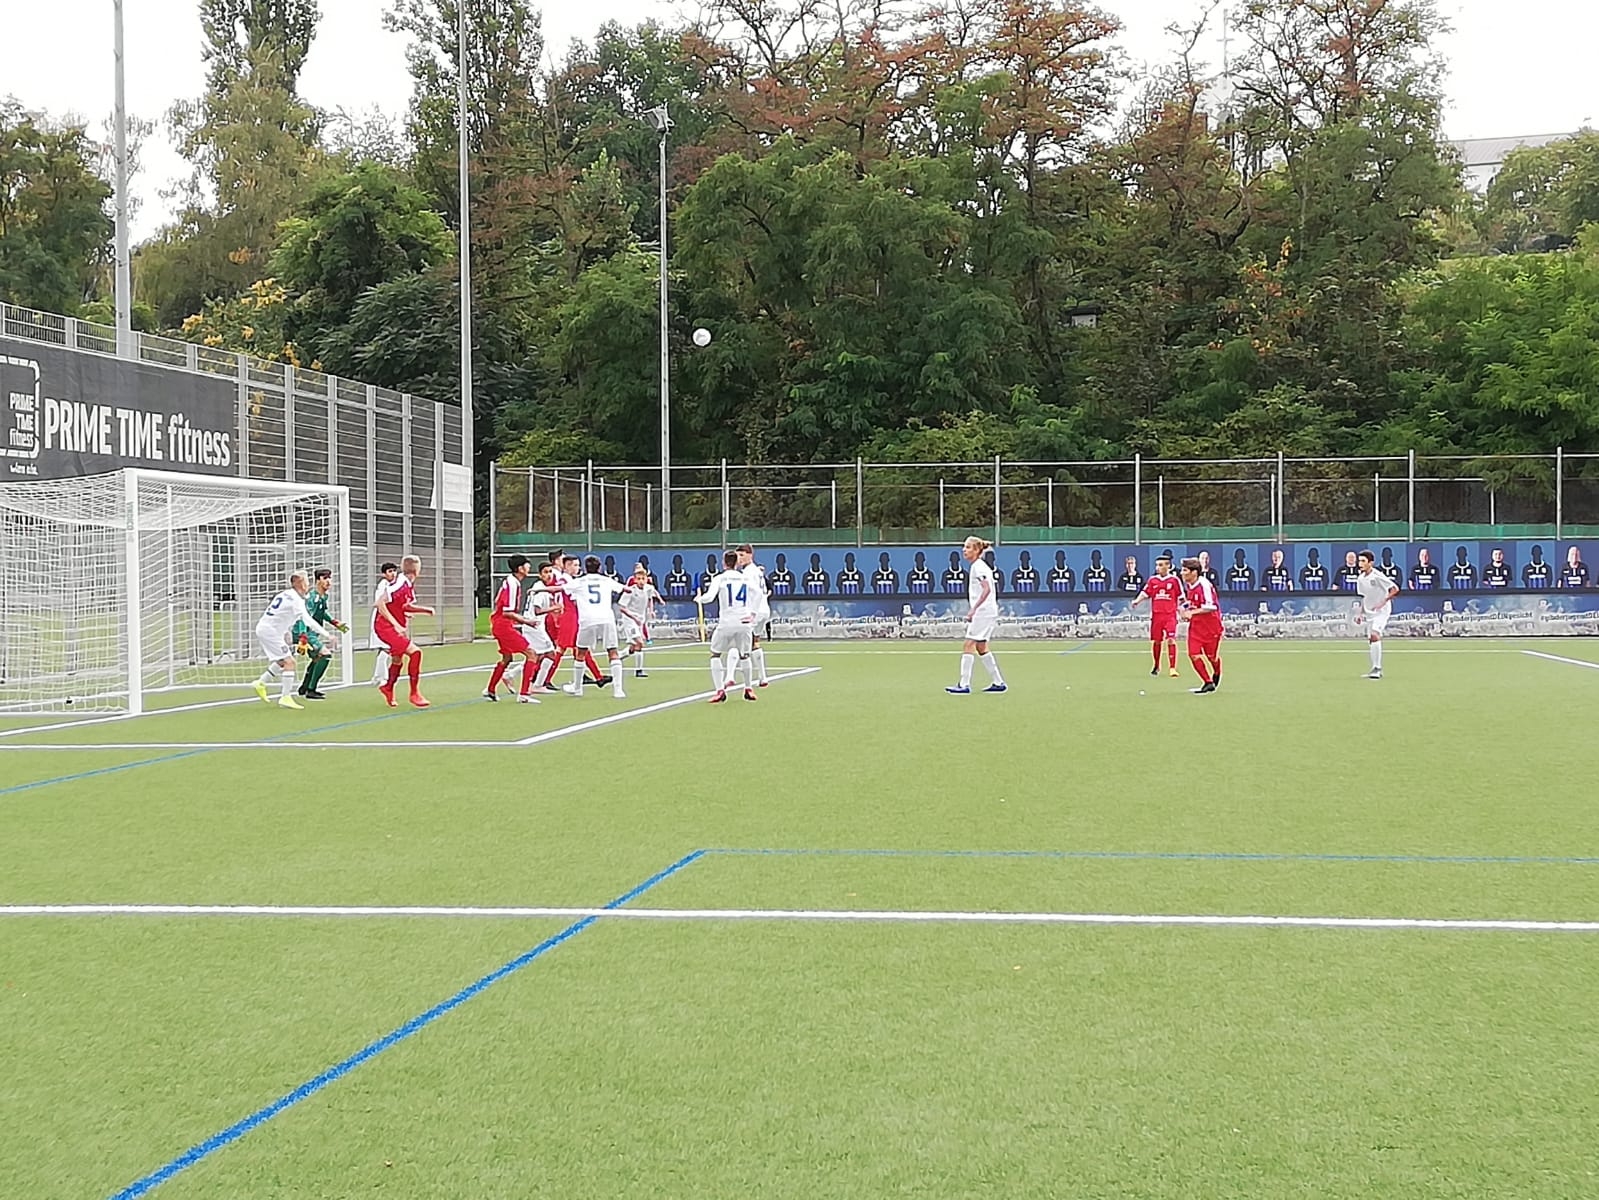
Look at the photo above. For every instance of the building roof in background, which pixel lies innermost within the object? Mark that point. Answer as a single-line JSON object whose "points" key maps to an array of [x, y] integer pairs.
{"points": [[1491, 152]]}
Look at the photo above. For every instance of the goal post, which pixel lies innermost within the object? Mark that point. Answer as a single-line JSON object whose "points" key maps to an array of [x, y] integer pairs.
{"points": [[117, 588]]}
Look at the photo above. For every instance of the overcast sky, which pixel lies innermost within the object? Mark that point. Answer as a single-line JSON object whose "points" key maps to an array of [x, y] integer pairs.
{"points": [[1515, 68]]}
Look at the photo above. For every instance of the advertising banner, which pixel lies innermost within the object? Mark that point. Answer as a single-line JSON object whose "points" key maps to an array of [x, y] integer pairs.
{"points": [[66, 413]]}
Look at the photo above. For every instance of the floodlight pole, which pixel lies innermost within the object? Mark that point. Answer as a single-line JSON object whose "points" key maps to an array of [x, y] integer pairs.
{"points": [[468, 446], [123, 285], [662, 122]]}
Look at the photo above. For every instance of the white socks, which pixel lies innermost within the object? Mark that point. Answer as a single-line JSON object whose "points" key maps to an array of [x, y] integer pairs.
{"points": [[286, 684], [616, 677], [1376, 656], [577, 674], [966, 670], [717, 676], [733, 662], [380, 669], [758, 657], [272, 672], [638, 661], [993, 669]]}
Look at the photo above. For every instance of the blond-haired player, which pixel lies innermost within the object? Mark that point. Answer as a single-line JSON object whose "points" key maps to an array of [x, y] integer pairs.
{"points": [[981, 620], [273, 633]]}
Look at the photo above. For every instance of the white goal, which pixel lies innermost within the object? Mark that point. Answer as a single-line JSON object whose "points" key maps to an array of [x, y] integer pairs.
{"points": [[117, 587]]}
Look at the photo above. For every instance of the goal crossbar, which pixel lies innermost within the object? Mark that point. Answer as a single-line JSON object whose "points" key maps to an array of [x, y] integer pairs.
{"points": [[118, 585]]}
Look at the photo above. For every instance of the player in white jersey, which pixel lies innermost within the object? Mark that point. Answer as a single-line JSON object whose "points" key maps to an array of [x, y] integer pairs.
{"points": [[1376, 592], [380, 597], [756, 574], [539, 605], [634, 611], [981, 619], [274, 633], [594, 592], [736, 607]]}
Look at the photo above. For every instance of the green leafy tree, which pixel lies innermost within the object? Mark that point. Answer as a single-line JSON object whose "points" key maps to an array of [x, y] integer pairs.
{"points": [[54, 229], [352, 233]]}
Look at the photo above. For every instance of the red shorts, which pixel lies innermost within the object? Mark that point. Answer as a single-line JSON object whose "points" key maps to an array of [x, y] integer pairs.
{"points": [[509, 637], [1204, 641], [566, 631], [396, 641], [1163, 626]]}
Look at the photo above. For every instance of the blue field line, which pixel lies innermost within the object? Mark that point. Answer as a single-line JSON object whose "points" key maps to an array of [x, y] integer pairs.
{"points": [[416, 1024], [182, 754], [1076, 648], [1167, 855]]}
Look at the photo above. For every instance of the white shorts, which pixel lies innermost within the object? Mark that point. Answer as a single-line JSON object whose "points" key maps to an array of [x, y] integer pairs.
{"points": [[274, 649], [538, 638], [981, 627], [1377, 622], [597, 637], [732, 638], [631, 628], [763, 621]]}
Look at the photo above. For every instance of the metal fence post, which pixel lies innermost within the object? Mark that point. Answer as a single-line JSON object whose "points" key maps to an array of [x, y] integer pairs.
{"points": [[1049, 500], [289, 430], [1282, 489], [555, 491], [860, 501], [333, 429], [1160, 500], [588, 503], [1412, 516], [1560, 490], [494, 514], [627, 506], [996, 500], [244, 416], [941, 524], [649, 508], [727, 502], [1376, 498], [1138, 499], [833, 487]]}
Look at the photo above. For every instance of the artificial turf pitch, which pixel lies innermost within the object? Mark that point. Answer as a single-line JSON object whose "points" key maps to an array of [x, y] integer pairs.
{"points": [[746, 1055]]}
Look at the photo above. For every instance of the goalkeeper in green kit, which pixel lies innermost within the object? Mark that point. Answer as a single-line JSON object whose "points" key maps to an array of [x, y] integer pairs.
{"points": [[306, 642]]}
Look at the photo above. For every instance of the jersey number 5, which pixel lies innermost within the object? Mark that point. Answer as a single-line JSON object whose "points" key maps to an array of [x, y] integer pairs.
{"points": [[594, 594]]}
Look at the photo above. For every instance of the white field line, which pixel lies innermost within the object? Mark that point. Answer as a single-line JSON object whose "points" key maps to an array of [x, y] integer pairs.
{"points": [[407, 745], [1575, 662], [1033, 646], [536, 739], [613, 718], [800, 914], [84, 722]]}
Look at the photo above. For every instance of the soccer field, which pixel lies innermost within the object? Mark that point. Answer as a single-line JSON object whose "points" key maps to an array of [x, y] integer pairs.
{"points": [[1312, 936]]}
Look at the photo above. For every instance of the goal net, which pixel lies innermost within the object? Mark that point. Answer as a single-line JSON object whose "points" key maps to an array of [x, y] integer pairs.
{"points": [[115, 588]]}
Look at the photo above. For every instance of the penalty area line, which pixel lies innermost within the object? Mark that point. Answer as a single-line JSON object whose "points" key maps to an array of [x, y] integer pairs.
{"points": [[1574, 662], [662, 706], [803, 914]]}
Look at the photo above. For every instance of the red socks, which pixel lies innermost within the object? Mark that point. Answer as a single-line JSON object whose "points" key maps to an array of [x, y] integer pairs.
{"points": [[499, 675], [1204, 671], [527, 675]]}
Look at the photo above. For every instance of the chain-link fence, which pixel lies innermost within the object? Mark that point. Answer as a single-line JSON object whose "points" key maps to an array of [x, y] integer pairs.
{"points": [[1279, 498], [401, 456]]}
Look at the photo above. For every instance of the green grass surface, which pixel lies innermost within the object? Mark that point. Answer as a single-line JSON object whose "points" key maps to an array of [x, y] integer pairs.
{"points": [[710, 1058]]}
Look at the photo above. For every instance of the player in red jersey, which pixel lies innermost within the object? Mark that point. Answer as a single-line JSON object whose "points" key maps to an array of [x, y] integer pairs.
{"points": [[395, 604], [505, 622], [566, 642], [1165, 592], [1202, 610]]}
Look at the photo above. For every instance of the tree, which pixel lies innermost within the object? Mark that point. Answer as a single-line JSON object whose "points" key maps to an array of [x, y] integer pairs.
{"points": [[1543, 195], [350, 234], [253, 144], [54, 229]]}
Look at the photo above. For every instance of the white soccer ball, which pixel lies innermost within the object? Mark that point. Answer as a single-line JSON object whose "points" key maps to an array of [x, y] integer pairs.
{"points": [[702, 336]]}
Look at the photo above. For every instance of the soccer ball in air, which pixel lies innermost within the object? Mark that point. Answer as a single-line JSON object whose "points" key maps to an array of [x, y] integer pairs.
{"points": [[702, 336]]}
